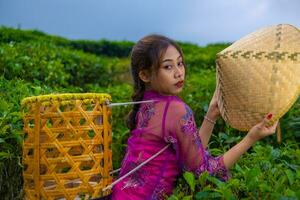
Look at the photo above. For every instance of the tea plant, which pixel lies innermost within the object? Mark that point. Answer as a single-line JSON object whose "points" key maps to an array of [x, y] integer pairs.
{"points": [[34, 63]]}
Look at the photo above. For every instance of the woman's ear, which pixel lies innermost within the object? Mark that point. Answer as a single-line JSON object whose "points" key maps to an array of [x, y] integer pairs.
{"points": [[144, 76]]}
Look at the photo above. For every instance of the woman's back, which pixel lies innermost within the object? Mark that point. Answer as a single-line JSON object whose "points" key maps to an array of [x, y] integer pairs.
{"points": [[156, 178]]}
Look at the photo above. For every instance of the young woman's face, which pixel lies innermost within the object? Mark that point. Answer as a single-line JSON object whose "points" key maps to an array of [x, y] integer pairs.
{"points": [[169, 79]]}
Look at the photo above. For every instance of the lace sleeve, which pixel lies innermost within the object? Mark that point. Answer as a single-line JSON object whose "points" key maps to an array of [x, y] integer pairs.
{"points": [[183, 133]]}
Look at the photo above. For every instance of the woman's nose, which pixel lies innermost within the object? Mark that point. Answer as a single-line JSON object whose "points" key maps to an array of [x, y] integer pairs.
{"points": [[179, 72]]}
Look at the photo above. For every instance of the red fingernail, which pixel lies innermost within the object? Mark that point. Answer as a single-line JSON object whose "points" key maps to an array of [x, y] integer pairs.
{"points": [[269, 116]]}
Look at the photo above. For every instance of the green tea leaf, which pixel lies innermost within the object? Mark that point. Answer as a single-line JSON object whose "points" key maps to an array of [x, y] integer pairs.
{"points": [[290, 176], [190, 179]]}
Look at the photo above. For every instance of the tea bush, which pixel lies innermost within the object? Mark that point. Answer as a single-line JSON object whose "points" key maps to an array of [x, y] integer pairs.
{"points": [[57, 66], [102, 47], [266, 172], [34, 63]]}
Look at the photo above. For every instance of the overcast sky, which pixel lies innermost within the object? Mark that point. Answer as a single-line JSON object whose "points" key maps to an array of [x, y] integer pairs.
{"points": [[196, 21]]}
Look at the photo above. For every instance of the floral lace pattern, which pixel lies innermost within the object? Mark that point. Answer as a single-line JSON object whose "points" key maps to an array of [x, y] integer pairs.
{"points": [[170, 139], [188, 125], [137, 178], [214, 166], [145, 113], [217, 167], [159, 193]]}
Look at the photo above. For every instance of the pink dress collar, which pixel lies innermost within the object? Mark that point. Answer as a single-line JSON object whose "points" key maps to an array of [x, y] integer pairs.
{"points": [[151, 94]]}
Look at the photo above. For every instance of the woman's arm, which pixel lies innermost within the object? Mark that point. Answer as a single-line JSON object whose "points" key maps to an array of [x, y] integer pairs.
{"points": [[233, 154], [256, 133], [207, 126], [206, 129]]}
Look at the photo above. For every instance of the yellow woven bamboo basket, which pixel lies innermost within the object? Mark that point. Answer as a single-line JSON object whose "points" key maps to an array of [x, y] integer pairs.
{"points": [[258, 74], [67, 146]]}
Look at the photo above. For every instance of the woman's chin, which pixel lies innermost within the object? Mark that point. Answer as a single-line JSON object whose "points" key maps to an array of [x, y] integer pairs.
{"points": [[177, 91]]}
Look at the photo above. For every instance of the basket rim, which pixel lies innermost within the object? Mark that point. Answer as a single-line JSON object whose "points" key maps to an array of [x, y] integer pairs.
{"points": [[65, 97]]}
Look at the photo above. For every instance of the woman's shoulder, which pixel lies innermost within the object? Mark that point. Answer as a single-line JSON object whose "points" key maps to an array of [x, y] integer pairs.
{"points": [[179, 108]]}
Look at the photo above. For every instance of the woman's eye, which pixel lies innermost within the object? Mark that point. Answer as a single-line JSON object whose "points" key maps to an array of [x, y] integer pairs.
{"points": [[168, 66], [180, 64]]}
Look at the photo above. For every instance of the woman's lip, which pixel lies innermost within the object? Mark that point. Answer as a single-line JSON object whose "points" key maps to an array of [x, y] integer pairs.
{"points": [[179, 84]]}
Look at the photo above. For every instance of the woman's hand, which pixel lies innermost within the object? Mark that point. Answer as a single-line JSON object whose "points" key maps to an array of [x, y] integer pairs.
{"points": [[261, 129], [213, 111]]}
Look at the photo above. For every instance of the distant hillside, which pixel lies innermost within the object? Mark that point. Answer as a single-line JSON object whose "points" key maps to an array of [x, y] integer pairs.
{"points": [[101, 47]]}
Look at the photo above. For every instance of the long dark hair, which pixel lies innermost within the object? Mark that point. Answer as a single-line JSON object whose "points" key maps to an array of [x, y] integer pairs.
{"points": [[147, 55]]}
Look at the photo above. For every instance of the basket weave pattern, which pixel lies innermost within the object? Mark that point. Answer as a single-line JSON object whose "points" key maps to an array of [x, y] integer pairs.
{"points": [[66, 150], [258, 74]]}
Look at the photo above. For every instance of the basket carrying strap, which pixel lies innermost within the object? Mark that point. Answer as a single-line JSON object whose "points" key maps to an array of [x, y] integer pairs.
{"points": [[136, 168], [128, 103]]}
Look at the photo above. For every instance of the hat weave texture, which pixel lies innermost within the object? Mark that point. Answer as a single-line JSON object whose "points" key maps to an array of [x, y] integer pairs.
{"points": [[258, 74]]}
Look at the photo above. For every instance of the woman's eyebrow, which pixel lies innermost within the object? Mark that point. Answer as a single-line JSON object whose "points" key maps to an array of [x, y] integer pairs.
{"points": [[166, 60]]}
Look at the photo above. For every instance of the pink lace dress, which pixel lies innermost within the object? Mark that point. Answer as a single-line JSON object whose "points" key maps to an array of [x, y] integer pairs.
{"points": [[168, 120]]}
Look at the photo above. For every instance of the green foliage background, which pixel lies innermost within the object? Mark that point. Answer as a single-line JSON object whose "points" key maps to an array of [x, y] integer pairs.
{"points": [[34, 63]]}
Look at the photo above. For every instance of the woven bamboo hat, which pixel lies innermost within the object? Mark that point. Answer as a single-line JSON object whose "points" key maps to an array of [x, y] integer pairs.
{"points": [[258, 74]]}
